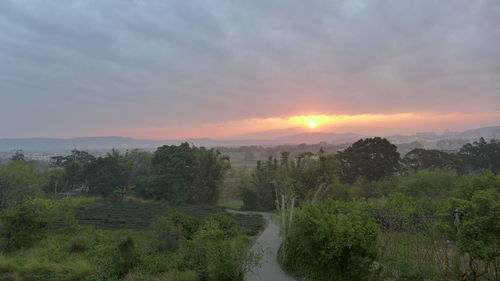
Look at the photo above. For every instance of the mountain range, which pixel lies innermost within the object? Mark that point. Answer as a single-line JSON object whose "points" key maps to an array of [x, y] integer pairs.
{"points": [[108, 142]]}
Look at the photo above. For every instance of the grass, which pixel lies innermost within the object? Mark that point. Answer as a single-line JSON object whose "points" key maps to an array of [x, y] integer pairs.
{"points": [[88, 249]]}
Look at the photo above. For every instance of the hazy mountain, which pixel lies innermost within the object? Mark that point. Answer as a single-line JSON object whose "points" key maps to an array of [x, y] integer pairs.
{"points": [[486, 132], [98, 143], [317, 137]]}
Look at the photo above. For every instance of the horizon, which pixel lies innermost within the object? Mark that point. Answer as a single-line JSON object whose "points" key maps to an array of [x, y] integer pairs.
{"points": [[259, 136]]}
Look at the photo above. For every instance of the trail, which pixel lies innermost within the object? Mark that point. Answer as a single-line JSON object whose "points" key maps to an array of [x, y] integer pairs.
{"points": [[269, 241]]}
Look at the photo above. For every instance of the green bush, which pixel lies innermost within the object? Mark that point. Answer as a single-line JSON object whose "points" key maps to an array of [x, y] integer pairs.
{"points": [[436, 183], [226, 224], [21, 227], [167, 234], [334, 240], [477, 236], [78, 244], [126, 257], [216, 256], [187, 223]]}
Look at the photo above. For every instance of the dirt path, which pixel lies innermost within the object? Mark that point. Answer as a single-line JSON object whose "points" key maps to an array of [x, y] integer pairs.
{"points": [[268, 242]]}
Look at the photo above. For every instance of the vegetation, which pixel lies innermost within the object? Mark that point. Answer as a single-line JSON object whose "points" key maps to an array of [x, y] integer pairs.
{"points": [[363, 213], [372, 158], [300, 176], [391, 218], [190, 242], [185, 174], [332, 240]]}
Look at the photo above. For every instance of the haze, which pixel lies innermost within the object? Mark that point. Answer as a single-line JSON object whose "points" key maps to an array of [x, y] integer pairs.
{"points": [[174, 69]]}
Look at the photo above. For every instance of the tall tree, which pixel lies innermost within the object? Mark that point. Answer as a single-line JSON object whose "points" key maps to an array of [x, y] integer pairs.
{"points": [[422, 159], [211, 168], [370, 158], [185, 173], [75, 165], [108, 174], [481, 155], [18, 181]]}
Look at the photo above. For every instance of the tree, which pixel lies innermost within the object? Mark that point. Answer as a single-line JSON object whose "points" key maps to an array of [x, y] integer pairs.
{"points": [[17, 182], [75, 165], [260, 192], [108, 174], [481, 155], [422, 159], [18, 156], [185, 174], [370, 158], [211, 168], [173, 171], [299, 177], [57, 161], [55, 181], [478, 200], [141, 164]]}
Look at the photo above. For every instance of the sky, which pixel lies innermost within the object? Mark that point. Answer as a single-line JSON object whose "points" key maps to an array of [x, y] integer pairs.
{"points": [[222, 69]]}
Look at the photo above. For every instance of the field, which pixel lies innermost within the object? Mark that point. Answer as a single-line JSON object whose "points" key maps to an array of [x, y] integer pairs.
{"points": [[137, 215]]}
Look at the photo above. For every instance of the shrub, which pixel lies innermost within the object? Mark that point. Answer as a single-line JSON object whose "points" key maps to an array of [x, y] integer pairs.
{"points": [[332, 240], [432, 183], [175, 275], [78, 244], [215, 256], [22, 227], [167, 234], [188, 224], [226, 224], [126, 257]]}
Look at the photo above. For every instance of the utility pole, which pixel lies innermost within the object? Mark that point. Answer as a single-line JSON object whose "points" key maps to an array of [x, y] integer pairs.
{"points": [[463, 275], [284, 223]]}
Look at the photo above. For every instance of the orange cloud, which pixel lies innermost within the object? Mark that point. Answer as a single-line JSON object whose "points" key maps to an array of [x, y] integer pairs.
{"points": [[375, 124]]}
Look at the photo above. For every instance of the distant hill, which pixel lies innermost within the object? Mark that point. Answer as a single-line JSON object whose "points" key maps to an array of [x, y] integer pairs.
{"points": [[102, 143], [486, 132], [317, 137], [48, 144]]}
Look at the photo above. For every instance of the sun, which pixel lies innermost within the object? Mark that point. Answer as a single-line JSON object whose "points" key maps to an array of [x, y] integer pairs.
{"points": [[312, 124]]}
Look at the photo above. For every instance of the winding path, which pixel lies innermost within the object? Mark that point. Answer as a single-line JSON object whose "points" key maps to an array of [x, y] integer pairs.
{"points": [[268, 242]]}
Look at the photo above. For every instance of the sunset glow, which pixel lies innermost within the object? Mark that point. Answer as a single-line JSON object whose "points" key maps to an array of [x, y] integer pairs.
{"points": [[400, 123]]}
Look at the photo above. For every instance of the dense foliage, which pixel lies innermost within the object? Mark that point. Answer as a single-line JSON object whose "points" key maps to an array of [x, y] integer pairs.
{"points": [[334, 240], [185, 174], [477, 234], [412, 202], [301, 177], [371, 158], [109, 174]]}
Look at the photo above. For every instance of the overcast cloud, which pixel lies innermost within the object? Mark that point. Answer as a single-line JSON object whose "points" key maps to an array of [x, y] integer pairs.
{"points": [[68, 67]]}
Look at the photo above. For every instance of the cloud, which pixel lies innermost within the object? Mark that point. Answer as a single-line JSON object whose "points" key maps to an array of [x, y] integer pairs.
{"points": [[81, 66]]}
